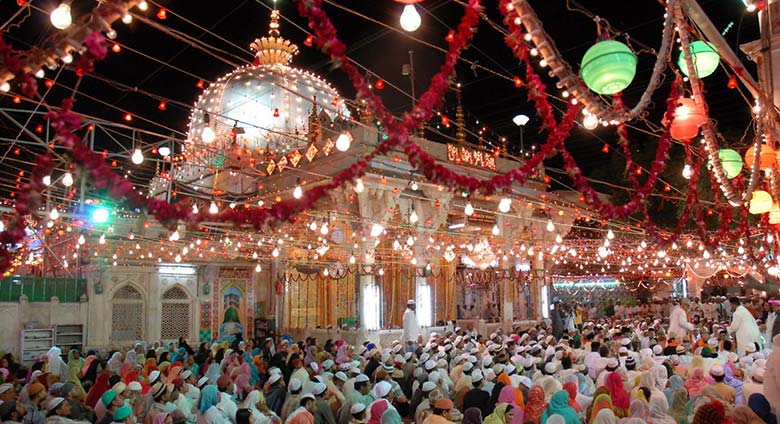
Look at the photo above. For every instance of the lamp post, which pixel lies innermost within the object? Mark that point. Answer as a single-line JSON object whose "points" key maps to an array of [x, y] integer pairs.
{"points": [[520, 120]]}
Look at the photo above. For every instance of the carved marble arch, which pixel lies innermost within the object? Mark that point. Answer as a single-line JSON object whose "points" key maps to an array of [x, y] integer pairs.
{"points": [[175, 314], [127, 313], [175, 293]]}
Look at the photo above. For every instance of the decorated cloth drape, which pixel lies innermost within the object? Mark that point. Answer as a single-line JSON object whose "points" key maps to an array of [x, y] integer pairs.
{"points": [[314, 300], [698, 276]]}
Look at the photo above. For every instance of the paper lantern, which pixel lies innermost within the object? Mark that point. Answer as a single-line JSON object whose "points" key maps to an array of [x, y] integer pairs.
{"points": [[761, 202], [766, 159], [688, 117], [608, 67], [731, 161], [705, 59]]}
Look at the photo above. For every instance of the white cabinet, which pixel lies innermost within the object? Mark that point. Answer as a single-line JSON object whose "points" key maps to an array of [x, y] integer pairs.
{"points": [[36, 342], [69, 336]]}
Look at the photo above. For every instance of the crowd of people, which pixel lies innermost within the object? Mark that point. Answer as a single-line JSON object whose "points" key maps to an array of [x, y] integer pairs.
{"points": [[632, 369]]}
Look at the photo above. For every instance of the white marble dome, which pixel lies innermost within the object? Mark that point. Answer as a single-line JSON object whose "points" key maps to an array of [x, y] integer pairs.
{"points": [[271, 103], [251, 116]]}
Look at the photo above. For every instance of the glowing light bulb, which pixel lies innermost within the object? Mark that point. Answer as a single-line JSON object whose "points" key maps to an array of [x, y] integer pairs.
{"points": [[127, 18], [298, 192], [376, 230], [504, 205], [495, 231], [67, 59], [54, 215], [687, 172], [550, 226], [610, 234], [5, 87], [324, 229], [410, 18], [46, 180], [590, 121], [313, 226], [359, 187], [174, 236], [60, 17], [195, 208], [258, 268], [138, 157], [164, 151], [81, 239], [40, 73], [208, 135], [558, 239], [275, 252], [213, 208], [352, 259], [468, 210], [67, 179], [706, 254], [603, 252], [414, 185], [343, 142], [143, 6], [413, 218], [177, 259], [102, 239]]}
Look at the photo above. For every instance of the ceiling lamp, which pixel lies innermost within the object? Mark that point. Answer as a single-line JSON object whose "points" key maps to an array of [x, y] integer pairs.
{"points": [[731, 161], [138, 157], [410, 18], [608, 67], [590, 121], [766, 159], [60, 17], [761, 202], [688, 117], [343, 141], [704, 57]]}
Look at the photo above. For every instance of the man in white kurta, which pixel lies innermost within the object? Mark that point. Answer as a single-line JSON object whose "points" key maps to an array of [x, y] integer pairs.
{"points": [[411, 327], [744, 327], [678, 321]]}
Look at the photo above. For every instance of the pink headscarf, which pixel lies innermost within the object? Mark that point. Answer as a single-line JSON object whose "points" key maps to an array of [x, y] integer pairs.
{"points": [[696, 383], [87, 362], [341, 355], [160, 418], [377, 409], [507, 395]]}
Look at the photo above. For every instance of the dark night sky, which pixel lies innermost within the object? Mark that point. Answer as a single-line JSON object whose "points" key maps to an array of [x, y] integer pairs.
{"points": [[487, 97]]}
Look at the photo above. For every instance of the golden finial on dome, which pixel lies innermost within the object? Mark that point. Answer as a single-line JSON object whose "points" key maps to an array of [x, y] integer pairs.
{"points": [[274, 49]]}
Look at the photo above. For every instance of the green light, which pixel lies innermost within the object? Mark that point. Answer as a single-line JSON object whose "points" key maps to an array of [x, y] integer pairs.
{"points": [[100, 215], [731, 161], [705, 59], [608, 67]]}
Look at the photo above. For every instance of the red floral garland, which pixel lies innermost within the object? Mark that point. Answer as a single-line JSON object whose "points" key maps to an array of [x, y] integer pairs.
{"points": [[65, 123]]}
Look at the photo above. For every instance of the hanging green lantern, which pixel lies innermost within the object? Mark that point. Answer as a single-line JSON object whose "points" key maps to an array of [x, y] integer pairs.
{"points": [[705, 59], [731, 161], [608, 67]]}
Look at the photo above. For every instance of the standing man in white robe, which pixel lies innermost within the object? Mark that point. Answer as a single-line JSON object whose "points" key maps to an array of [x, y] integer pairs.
{"points": [[744, 327], [411, 332], [679, 325]]}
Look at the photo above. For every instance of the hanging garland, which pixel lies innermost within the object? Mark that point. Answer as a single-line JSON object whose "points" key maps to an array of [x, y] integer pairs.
{"points": [[570, 81], [66, 123], [607, 210]]}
